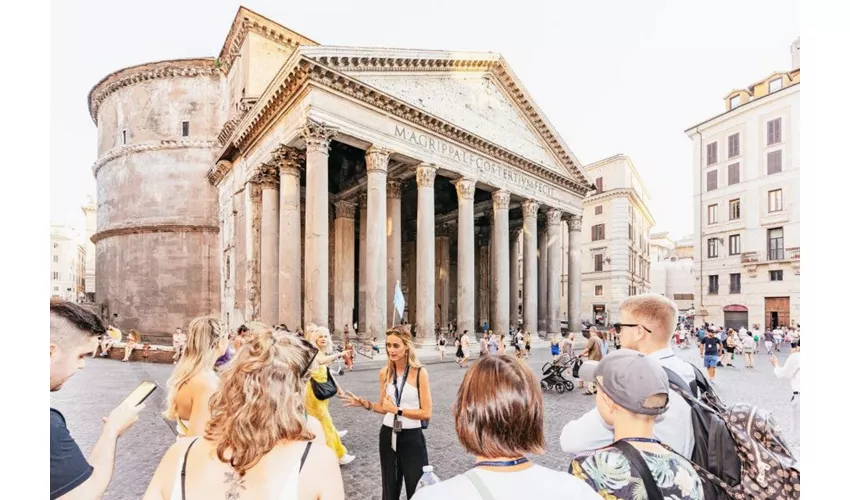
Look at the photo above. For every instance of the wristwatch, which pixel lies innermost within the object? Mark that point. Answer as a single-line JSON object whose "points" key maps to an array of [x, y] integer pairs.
{"points": [[399, 413]]}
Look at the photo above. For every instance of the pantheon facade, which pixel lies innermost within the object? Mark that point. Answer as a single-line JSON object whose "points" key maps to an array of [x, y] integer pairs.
{"points": [[295, 183]]}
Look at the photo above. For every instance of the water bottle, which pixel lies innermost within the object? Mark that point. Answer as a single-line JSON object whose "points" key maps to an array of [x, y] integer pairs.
{"points": [[428, 478]]}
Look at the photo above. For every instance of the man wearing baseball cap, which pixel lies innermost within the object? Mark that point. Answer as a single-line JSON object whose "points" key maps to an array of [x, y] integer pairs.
{"points": [[633, 391]]}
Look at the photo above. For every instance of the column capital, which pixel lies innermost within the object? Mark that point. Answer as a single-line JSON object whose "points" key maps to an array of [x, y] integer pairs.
{"points": [[515, 232], [425, 175], [443, 230], [574, 222], [393, 189], [318, 136], [377, 159], [465, 188], [266, 177], [501, 200], [288, 160], [363, 198], [530, 208], [344, 210], [553, 217]]}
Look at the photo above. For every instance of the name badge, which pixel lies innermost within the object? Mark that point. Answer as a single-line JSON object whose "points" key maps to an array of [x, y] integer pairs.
{"points": [[396, 425]]}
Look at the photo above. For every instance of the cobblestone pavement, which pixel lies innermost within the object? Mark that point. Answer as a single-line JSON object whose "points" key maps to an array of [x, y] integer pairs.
{"points": [[93, 392]]}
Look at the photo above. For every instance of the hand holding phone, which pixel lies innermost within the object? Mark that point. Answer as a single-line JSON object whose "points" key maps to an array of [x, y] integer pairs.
{"points": [[126, 414]]}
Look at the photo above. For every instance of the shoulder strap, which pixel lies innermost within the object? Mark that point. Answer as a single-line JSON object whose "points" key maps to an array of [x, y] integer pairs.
{"points": [[636, 460], [705, 474], [479, 485], [183, 469], [418, 394], [678, 381], [304, 455]]}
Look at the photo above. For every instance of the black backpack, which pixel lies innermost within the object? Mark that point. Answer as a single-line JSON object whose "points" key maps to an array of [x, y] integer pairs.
{"points": [[738, 451]]}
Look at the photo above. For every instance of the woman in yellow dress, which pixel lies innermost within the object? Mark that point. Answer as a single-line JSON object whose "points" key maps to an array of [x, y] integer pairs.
{"points": [[321, 338]]}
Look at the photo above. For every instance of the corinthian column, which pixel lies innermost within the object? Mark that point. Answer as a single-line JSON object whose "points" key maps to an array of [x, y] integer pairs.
{"points": [[393, 247], [343, 266], [500, 246], [361, 280], [443, 266], [574, 276], [425, 262], [542, 280], [289, 262], [268, 180], [514, 275], [529, 267], [316, 239], [465, 255], [376, 241], [553, 263]]}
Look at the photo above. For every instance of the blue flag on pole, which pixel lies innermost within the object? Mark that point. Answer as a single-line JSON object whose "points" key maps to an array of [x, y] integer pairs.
{"points": [[398, 299]]}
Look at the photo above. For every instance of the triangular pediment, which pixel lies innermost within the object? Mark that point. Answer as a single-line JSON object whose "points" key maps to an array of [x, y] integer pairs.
{"points": [[474, 91]]}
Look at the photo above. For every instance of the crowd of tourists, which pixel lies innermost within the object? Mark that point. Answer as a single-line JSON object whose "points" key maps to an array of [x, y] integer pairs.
{"points": [[252, 417]]}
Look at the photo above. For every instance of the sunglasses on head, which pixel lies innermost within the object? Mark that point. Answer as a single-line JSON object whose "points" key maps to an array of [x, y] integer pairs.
{"points": [[619, 326]]}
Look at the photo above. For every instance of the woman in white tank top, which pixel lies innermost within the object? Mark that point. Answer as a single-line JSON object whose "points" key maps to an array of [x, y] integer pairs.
{"points": [[406, 405], [257, 441]]}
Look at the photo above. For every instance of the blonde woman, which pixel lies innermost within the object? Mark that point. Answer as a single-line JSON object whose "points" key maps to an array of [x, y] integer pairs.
{"points": [[320, 337], [405, 403], [194, 379], [133, 342], [256, 443]]}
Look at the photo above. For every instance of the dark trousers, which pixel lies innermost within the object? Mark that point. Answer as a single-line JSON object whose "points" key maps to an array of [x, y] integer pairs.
{"points": [[403, 464]]}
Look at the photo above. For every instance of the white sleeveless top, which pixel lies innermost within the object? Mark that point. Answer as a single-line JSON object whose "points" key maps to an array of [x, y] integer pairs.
{"points": [[409, 401]]}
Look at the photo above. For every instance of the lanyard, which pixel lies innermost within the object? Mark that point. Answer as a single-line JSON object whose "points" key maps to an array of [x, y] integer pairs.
{"points": [[403, 382], [641, 440], [501, 463]]}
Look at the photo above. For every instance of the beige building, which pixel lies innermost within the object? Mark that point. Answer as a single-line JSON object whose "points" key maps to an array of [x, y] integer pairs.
{"points": [[671, 270], [294, 183], [615, 238], [90, 213], [67, 263], [747, 205]]}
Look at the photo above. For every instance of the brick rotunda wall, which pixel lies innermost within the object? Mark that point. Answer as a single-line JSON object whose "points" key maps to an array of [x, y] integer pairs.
{"points": [[157, 242]]}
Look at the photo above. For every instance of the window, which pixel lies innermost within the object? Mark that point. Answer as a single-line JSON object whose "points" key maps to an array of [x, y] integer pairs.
{"points": [[598, 209], [185, 129], [56, 245], [711, 181], [735, 101], [55, 275], [597, 232], [713, 243], [631, 232], [683, 296], [774, 162], [735, 283], [124, 136], [55, 258], [775, 244], [713, 284], [711, 154], [735, 209], [597, 262], [734, 244], [712, 214], [734, 174], [598, 185], [632, 290], [598, 289], [734, 143], [55, 288], [776, 275], [774, 131], [774, 85], [774, 200]]}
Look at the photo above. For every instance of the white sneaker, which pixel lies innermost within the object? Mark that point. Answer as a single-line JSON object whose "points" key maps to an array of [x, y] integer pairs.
{"points": [[342, 434], [346, 459]]}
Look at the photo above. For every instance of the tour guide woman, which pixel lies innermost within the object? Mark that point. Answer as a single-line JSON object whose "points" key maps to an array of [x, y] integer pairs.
{"points": [[405, 404]]}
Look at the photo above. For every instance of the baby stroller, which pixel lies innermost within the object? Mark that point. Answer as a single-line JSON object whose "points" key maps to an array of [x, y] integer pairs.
{"points": [[553, 377]]}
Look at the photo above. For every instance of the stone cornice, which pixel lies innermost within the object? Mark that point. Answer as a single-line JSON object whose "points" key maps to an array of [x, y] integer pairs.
{"points": [[148, 71], [148, 146], [300, 71], [217, 173], [622, 193], [153, 228]]}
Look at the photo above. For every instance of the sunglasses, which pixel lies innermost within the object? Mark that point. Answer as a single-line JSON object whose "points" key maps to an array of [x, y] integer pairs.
{"points": [[619, 326]]}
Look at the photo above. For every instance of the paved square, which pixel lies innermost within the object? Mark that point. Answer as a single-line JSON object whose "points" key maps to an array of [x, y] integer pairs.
{"points": [[93, 392]]}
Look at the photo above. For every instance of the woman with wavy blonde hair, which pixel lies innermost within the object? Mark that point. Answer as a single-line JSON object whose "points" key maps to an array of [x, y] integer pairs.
{"points": [[257, 442], [194, 379], [405, 404]]}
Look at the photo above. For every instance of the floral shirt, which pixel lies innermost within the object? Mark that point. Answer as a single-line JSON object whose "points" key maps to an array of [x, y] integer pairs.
{"points": [[608, 471]]}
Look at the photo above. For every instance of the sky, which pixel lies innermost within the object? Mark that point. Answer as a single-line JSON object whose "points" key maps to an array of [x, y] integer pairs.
{"points": [[613, 77]]}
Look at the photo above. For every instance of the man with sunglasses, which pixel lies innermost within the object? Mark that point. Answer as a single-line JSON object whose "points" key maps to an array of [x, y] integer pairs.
{"points": [[646, 325]]}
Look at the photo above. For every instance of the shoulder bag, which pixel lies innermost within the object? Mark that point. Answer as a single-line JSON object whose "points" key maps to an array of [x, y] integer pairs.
{"points": [[324, 390]]}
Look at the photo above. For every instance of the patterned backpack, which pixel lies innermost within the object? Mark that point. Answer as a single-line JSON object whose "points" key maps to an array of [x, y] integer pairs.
{"points": [[764, 467]]}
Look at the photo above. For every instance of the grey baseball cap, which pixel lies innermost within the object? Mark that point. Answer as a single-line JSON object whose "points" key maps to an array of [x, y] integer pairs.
{"points": [[630, 378]]}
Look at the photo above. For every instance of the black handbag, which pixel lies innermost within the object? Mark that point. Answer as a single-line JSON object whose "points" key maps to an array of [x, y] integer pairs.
{"points": [[324, 390], [576, 365]]}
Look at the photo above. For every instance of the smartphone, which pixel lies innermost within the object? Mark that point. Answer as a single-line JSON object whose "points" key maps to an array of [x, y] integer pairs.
{"points": [[140, 394]]}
